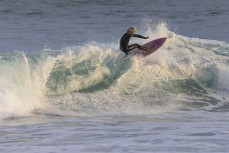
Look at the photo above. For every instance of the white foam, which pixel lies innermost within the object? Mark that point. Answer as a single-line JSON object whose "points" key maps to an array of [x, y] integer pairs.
{"points": [[24, 81]]}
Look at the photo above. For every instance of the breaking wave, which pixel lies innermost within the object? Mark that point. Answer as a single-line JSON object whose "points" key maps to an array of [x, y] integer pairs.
{"points": [[93, 79]]}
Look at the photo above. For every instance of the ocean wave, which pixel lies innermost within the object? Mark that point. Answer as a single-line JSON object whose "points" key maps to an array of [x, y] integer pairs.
{"points": [[94, 79]]}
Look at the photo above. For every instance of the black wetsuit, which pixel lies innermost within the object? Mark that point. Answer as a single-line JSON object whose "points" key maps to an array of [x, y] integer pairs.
{"points": [[125, 41]]}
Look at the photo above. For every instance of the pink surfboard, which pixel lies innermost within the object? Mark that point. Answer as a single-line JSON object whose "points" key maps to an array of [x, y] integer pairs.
{"points": [[151, 46]]}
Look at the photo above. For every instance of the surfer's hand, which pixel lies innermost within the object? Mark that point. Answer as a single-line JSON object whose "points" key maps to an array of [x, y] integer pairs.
{"points": [[146, 37]]}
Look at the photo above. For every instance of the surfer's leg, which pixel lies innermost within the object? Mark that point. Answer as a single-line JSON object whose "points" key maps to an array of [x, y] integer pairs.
{"points": [[133, 46], [140, 47], [130, 48]]}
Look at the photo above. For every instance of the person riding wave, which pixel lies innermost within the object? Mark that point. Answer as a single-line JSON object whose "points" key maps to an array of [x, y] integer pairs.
{"points": [[131, 32]]}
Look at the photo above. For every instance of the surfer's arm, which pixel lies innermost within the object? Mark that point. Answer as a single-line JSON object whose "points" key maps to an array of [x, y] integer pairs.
{"points": [[140, 36]]}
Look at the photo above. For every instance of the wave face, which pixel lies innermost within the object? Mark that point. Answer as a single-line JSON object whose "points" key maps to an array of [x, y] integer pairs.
{"points": [[94, 80]]}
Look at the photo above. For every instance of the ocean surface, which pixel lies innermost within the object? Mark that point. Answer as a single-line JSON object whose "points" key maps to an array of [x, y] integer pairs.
{"points": [[65, 86]]}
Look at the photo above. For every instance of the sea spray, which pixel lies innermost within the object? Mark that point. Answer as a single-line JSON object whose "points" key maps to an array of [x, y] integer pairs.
{"points": [[93, 79], [23, 78]]}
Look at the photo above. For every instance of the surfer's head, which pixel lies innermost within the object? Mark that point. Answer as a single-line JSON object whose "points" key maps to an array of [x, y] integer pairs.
{"points": [[132, 30]]}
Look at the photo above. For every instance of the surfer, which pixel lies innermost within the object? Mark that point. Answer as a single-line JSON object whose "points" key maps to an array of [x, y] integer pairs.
{"points": [[131, 32]]}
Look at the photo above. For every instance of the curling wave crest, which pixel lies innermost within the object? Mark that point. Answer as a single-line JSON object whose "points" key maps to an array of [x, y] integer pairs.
{"points": [[93, 79]]}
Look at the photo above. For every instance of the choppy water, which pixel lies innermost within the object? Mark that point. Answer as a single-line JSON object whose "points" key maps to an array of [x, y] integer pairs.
{"points": [[35, 25], [65, 87], [176, 132]]}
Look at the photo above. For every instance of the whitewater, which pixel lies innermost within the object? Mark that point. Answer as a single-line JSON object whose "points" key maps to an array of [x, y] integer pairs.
{"points": [[82, 80], [83, 96]]}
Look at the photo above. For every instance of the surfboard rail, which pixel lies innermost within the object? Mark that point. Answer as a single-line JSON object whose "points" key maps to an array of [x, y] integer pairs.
{"points": [[151, 46]]}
